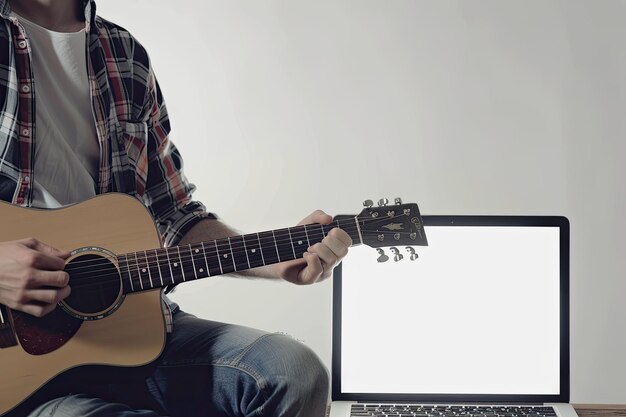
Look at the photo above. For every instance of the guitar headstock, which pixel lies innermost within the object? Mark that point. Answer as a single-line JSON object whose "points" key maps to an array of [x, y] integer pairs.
{"points": [[392, 225]]}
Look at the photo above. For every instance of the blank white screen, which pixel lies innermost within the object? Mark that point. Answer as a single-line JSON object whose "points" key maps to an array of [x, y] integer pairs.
{"points": [[477, 313]]}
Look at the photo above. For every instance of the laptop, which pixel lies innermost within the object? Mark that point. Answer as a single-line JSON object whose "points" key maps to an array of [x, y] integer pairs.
{"points": [[475, 323]]}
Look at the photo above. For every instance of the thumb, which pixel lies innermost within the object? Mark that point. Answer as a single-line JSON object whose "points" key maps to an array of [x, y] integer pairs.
{"points": [[318, 216]]}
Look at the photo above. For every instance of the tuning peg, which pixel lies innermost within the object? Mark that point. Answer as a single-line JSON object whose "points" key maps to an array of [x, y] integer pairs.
{"points": [[396, 253], [382, 257], [368, 203], [398, 201], [382, 202], [412, 255]]}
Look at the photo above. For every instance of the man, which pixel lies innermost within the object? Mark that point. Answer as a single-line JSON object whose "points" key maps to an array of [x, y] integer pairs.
{"points": [[75, 123]]}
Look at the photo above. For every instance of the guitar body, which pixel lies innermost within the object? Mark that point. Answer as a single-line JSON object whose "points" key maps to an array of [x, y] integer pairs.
{"points": [[132, 335]]}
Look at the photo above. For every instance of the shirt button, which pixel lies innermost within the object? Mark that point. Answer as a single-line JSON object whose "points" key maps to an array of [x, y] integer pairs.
{"points": [[26, 179], [25, 88], [25, 132], [22, 44]]}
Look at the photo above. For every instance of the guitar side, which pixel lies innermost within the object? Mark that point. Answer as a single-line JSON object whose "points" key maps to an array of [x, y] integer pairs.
{"points": [[114, 222]]}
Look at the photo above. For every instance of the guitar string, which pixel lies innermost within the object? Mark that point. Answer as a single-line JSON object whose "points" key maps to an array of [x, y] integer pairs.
{"points": [[223, 245], [155, 265], [115, 280], [155, 261], [233, 249], [148, 259], [223, 241], [88, 279], [152, 256]]}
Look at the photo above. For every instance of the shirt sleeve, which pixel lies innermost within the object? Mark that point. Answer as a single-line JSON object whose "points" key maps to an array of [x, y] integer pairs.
{"points": [[168, 193]]}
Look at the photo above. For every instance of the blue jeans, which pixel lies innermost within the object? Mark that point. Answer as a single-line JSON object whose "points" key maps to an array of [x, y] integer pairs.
{"points": [[211, 369]]}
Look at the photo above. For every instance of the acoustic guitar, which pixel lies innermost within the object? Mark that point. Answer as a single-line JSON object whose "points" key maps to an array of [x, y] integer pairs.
{"points": [[117, 268]]}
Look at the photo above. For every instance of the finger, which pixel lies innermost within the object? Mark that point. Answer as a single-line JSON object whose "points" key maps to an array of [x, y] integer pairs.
{"points": [[47, 296], [43, 261], [57, 279], [338, 241], [341, 235], [38, 309], [313, 269], [318, 216], [326, 256], [39, 246]]}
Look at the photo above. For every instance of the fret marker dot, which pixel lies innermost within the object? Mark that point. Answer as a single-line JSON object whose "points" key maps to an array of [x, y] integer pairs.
{"points": [[299, 242], [225, 255], [197, 250], [143, 270], [175, 263], [201, 270], [253, 251]]}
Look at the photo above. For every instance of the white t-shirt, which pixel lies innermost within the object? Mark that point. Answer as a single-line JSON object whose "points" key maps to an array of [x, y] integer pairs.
{"points": [[67, 152]]}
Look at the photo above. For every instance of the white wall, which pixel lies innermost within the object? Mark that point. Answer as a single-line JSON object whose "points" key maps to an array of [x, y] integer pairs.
{"points": [[503, 107]]}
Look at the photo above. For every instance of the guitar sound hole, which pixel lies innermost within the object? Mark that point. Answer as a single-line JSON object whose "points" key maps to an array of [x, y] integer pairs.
{"points": [[95, 284]]}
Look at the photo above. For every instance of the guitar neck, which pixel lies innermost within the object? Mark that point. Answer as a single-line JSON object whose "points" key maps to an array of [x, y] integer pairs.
{"points": [[156, 268]]}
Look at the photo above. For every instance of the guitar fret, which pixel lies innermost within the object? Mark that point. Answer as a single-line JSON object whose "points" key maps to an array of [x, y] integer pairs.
{"points": [[179, 264], [298, 241], [354, 233], [254, 254], [198, 257], [186, 262], [291, 241], [193, 263], [240, 258], [307, 236], [123, 259], [230, 247], [269, 250], [358, 229], [158, 266], [212, 260], [284, 245], [328, 227], [276, 245], [225, 253], [245, 250], [217, 252], [138, 271], [258, 238], [316, 235], [148, 268], [208, 268], [169, 264]]}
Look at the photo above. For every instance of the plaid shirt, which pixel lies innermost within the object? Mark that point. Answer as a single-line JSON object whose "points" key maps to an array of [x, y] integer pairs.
{"points": [[132, 124]]}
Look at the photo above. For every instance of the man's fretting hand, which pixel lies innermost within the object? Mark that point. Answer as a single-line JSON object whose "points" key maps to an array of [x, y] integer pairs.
{"points": [[319, 259], [32, 279]]}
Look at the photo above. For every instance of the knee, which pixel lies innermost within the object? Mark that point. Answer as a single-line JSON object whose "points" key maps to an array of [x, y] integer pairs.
{"points": [[293, 372]]}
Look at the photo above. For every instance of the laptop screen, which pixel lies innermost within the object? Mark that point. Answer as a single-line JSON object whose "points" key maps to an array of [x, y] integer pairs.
{"points": [[479, 314]]}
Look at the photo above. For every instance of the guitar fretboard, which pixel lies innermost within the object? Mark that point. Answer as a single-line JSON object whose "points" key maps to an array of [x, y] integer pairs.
{"points": [[156, 268]]}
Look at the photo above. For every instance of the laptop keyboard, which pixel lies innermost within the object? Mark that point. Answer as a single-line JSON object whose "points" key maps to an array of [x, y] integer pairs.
{"points": [[416, 410]]}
